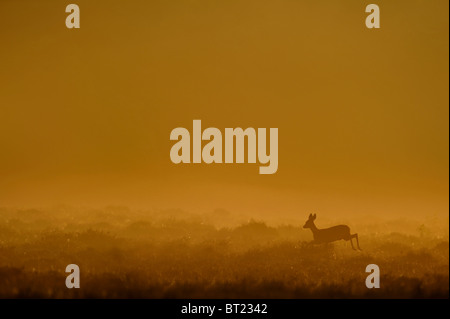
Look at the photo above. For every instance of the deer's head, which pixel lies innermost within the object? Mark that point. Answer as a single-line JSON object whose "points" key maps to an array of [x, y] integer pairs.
{"points": [[310, 222]]}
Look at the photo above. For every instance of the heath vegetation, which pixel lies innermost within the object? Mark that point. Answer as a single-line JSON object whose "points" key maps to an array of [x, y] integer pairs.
{"points": [[174, 254]]}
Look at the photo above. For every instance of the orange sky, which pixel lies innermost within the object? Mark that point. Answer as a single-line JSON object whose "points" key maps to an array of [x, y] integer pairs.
{"points": [[85, 115]]}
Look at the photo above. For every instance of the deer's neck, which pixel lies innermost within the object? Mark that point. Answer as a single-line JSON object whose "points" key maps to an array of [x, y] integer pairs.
{"points": [[314, 228]]}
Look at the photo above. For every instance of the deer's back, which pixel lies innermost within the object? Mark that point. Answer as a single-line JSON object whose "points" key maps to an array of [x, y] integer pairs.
{"points": [[333, 233]]}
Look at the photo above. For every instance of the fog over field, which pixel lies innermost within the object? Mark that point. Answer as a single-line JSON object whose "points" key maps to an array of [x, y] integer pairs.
{"points": [[86, 115], [175, 254]]}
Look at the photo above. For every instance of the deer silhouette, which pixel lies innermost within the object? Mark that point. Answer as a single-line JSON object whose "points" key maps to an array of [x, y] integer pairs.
{"points": [[328, 235]]}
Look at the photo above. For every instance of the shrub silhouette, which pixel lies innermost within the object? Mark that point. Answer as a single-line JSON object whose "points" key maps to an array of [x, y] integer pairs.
{"points": [[123, 254]]}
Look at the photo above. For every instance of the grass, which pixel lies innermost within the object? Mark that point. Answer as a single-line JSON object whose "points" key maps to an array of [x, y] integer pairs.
{"points": [[124, 254]]}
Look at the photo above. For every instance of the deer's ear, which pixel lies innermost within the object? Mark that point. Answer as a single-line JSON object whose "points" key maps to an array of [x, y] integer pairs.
{"points": [[314, 216], [310, 216]]}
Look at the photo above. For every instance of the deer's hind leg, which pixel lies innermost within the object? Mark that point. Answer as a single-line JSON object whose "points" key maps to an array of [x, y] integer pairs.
{"points": [[351, 242], [357, 241]]}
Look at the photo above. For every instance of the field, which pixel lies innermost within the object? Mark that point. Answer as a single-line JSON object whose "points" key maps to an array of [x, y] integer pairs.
{"points": [[173, 254]]}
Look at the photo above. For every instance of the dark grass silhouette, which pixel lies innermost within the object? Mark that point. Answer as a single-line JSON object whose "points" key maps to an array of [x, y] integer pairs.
{"points": [[127, 255]]}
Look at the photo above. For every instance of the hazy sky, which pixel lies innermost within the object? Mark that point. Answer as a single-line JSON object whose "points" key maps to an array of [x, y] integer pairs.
{"points": [[86, 114]]}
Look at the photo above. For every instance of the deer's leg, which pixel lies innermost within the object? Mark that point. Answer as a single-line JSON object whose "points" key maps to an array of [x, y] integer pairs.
{"points": [[351, 242], [357, 241]]}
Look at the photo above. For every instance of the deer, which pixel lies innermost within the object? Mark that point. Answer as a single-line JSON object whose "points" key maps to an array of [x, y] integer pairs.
{"points": [[328, 235]]}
